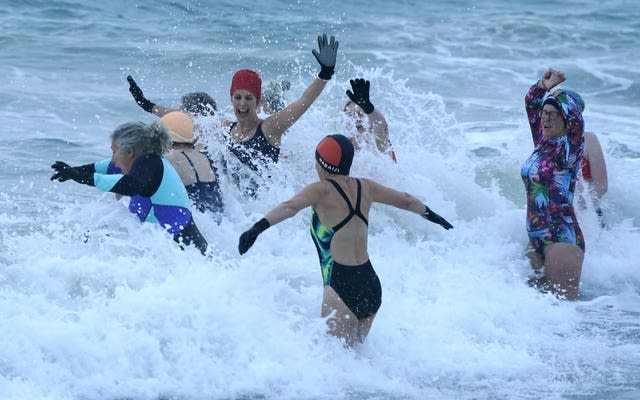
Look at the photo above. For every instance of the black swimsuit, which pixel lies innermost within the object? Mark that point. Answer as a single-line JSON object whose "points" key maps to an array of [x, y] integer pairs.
{"points": [[358, 286]]}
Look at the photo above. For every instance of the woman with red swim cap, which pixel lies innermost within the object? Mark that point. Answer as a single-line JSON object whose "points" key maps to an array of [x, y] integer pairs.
{"points": [[340, 203], [255, 141]]}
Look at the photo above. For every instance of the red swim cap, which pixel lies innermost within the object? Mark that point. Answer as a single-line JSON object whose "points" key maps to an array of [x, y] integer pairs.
{"points": [[334, 153], [248, 80]]}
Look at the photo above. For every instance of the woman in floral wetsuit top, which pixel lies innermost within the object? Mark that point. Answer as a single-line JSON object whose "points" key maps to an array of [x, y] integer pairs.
{"points": [[549, 176]]}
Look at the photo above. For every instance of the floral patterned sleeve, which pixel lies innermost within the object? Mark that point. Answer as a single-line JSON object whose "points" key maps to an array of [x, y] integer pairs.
{"points": [[533, 102]]}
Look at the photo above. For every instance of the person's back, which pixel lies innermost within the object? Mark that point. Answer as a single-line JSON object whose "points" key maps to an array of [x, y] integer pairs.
{"points": [[349, 243], [194, 167]]}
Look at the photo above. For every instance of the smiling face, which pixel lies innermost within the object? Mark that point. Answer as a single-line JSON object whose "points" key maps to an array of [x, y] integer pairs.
{"points": [[553, 124], [245, 105], [122, 158]]}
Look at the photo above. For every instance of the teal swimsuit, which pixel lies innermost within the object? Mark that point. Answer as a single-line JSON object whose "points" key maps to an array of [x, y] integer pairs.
{"points": [[358, 286]]}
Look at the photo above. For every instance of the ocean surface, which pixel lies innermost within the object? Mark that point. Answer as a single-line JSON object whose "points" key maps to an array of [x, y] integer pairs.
{"points": [[95, 305]]}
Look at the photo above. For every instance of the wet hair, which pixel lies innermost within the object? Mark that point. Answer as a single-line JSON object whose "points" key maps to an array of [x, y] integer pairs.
{"points": [[199, 103], [144, 139]]}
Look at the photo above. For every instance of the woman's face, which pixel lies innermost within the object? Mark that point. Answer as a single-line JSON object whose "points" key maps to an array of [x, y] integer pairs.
{"points": [[245, 104], [122, 158], [553, 124]]}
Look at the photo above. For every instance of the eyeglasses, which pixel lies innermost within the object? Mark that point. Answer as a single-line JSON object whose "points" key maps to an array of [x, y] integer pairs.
{"points": [[552, 115]]}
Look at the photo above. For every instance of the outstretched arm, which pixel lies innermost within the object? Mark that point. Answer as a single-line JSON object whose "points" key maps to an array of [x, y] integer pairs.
{"points": [[143, 102], [275, 126], [287, 209], [405, 201]]}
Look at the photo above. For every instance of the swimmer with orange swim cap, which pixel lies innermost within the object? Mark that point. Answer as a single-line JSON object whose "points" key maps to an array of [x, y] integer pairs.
{"points": [[339, 228]]}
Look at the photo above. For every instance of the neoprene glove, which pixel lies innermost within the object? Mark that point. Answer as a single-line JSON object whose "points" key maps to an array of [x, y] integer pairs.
{"points": [[435, 218], [248, 238], [64, 172], [360, 94], [327, 56], [137, 94]]}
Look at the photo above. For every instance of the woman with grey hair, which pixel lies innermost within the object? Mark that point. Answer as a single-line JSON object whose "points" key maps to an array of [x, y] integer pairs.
{"points": [[156, 190]]}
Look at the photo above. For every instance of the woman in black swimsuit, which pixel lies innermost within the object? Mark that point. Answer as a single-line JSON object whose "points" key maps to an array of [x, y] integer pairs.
{"points": [[341, 203]]}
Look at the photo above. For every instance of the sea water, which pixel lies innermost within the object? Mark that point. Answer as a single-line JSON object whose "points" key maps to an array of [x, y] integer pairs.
{"points": [[95, 305]]}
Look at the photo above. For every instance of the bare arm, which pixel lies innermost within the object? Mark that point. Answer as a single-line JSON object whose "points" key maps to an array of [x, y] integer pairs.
{"points": [[593, 152], [277, 124], [392, 197], [287, 209], [307, 197], [380, 129], [405, 201]]}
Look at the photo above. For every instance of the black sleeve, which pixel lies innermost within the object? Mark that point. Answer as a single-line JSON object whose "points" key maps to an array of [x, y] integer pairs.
{"points": [[144, 178]]}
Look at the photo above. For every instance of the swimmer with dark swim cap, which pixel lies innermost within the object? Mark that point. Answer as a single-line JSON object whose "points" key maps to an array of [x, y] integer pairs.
{"points": [[196, 103], [340, 210]]}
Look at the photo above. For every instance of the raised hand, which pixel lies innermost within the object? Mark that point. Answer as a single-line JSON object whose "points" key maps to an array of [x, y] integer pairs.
{"points": [[552, 78], [429, 215], [360, 94], [326, 56], [138, 96]]}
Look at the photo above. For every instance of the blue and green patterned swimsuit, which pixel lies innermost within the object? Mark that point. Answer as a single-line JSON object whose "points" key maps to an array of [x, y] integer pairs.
{"points": [[358, 286]]}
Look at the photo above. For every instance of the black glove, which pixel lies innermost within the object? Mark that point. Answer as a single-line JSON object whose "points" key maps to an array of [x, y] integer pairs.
{"points": [[79, 174], [248, 238], [435, 218], [360, 94], [327, 56], [137, 94]]}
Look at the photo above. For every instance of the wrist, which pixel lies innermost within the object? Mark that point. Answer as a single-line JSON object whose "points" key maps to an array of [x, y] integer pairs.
{"points": [[541, 85], [325, 72], [261, 225]]}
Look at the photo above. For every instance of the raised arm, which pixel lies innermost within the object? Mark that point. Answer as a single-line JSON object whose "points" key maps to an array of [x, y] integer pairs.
{"points": [[145, 103], [275, 126], [534, 98], [405, 201], [377, 123], [307, 197]]}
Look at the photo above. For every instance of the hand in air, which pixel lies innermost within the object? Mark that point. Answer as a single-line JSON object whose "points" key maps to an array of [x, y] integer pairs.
{"points": [[429, 215], [138, 96], [552, 78], [360, 94], [326, 56]]}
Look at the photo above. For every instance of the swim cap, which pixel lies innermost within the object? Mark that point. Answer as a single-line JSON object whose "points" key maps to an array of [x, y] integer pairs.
{"points": [[180, 126], [199, 103], [249, 80], [334, 153]]}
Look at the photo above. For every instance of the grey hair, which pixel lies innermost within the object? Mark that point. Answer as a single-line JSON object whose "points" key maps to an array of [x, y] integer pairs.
{"points": [[144, 139]]}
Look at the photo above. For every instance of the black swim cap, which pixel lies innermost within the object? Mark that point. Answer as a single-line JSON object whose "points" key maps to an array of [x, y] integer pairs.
{"points": [[334, 153], [199, 103]]}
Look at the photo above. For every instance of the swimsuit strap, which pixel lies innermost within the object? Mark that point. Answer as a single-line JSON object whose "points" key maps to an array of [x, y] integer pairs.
{"points": [[352, 211], [193, 167]]}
